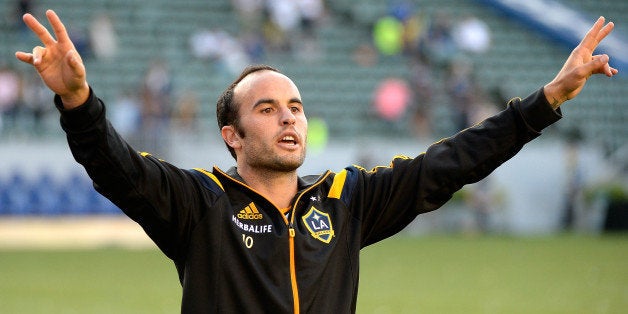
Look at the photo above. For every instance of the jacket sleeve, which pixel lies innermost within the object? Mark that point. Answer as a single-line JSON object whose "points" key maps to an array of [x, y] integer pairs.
{"points": [[163, 199], [387, 199]]}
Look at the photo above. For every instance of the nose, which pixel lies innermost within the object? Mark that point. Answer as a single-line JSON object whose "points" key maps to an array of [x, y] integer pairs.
{"points": [[287, 117]]}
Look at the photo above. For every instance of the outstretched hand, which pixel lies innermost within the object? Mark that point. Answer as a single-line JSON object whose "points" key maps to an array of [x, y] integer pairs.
{"points": [[58, 63], [580, 65]]}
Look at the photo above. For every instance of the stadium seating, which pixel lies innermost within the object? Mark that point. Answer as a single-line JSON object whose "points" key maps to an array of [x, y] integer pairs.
{"points": [[50, 195], [333, 87]]}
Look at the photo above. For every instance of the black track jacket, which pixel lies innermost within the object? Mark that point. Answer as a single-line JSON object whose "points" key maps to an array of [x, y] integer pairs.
{"points": [[235, 252]]}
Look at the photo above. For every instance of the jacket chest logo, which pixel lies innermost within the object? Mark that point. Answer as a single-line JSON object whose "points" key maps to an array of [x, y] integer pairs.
{"points": [[319, 225], [250, 212]]}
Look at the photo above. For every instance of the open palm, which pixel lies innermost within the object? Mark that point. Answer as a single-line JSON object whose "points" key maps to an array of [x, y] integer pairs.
{"points": [[58, 63]]}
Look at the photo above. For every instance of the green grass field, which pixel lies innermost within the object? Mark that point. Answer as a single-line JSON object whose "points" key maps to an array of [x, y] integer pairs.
{"points": [[436, 274]]}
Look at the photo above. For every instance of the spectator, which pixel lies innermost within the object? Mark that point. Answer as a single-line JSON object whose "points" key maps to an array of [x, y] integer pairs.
{"points": [[9, 98], [285, 14], [461, 91], [156, 107], [391, 99], [276, 31], [219, 47], [250, 14], [186, 113], [421, 83], [35, 102], [483, 200], [103, 37], [125, 115], [414, 31], [472, 35], [22, 7], [311, 12], [388, 36], [402, 10], [438, 44], [575, 180], [253, 45], [205, 44]]}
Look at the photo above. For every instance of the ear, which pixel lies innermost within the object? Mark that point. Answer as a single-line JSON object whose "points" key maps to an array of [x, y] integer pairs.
{"points": [[231, 137]]}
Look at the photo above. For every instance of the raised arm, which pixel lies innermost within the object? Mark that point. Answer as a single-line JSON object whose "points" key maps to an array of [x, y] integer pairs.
{"points": [[57, 62], [580, 65]]}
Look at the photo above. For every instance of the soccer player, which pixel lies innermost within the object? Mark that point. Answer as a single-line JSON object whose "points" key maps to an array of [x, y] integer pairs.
{"points": [[258, 237]]}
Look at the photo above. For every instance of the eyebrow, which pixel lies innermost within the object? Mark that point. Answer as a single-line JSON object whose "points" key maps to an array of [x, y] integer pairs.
{"points": [[275, 102]]}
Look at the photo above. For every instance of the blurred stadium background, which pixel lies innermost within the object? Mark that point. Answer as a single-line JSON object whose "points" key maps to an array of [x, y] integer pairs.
{"points": [[378, 78], [370, 92]]}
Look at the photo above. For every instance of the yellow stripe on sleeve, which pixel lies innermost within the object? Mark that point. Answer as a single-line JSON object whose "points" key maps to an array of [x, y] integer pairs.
{"points": [[337, 185], [210, 175]]}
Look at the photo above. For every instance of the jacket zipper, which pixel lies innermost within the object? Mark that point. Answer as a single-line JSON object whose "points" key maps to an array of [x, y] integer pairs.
{"points": [[291, 233], [293, 268]]}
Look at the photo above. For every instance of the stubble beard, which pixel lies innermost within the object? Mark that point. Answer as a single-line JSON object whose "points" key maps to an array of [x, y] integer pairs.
{"points": [[283, 164], [267, 160]]}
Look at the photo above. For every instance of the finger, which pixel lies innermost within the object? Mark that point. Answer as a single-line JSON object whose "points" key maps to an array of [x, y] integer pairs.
{"points": [[57, 26], [609, 70], [75, 63], [39, 30], [607, 29], [590, 40], [38, 54], [24, 57], [599, 64], [614, 71]]}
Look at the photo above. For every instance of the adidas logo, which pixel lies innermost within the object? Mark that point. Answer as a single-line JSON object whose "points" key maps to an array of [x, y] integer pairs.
{"points": [[250, 212]]}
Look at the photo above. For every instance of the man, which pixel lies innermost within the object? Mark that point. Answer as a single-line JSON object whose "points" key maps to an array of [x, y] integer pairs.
{"points": [[259, 238]]}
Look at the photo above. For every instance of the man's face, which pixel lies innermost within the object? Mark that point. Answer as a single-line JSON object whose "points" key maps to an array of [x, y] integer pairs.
{"points": [[272, 124]]}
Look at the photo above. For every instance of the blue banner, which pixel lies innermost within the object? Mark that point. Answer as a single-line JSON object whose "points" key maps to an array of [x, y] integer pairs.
{"points": [[563, 24]]}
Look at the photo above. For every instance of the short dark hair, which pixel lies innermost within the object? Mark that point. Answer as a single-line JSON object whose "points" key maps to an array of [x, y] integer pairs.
{"points": [[227, 110]]}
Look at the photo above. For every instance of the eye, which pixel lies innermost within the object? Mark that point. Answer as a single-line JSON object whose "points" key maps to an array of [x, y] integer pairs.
{"points": [[267, 110], [296, 109]]}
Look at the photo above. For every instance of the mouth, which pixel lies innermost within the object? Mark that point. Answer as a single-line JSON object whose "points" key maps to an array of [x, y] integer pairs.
{"points": [[289, 140]]}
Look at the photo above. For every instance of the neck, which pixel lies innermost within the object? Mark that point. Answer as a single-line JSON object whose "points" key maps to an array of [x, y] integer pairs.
{"points": [[278, 187]]}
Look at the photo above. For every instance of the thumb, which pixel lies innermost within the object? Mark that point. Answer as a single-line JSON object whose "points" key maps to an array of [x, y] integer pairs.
{"points": [[73, 59], [598, 64], [38, 54], [76, 66]]}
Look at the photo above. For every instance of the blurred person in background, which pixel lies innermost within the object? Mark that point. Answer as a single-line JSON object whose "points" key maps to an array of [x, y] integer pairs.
{"points": [[472, 35], [462, 91], [249, 13], [10, 85], [575, 181], [388, 35], [156, 107], [35, 100], [22, 7], [438, 43], [125, 113], [103, 39], [259, 237], [186, 113], [312, 13]]}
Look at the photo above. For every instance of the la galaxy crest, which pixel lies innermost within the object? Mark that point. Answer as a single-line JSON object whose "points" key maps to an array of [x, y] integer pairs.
{"points": [[319, 225]]}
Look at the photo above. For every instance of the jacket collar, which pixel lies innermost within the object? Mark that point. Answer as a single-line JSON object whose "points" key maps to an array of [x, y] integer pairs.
{"points": [[303, 182]]}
